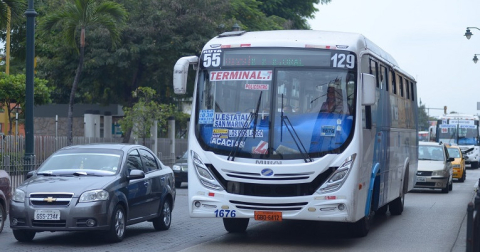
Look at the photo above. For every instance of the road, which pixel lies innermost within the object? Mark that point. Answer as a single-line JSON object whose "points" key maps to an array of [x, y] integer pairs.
{"points": [[431, 221]]}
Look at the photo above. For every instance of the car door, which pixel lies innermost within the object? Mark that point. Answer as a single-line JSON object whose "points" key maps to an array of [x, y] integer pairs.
{"points": [[156, 182], [137, 189]]}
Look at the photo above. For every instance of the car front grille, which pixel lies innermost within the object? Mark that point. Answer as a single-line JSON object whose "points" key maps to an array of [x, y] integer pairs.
{"points": [[425, 184], [424, 173], [50, 199], [49, 223]]}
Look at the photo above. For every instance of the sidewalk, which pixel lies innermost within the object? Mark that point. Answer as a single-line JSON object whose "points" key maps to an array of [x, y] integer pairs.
{"points": [[461, 242]]}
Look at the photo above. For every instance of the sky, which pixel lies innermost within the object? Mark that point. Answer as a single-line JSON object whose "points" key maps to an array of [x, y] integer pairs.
{"points": [[425, 37]]}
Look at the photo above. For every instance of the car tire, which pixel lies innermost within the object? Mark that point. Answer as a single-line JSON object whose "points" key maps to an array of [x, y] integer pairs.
{"points": [[23, 235], [450, 186], [446, 188], [3, 215], [164, 220], [117, 225], [464, 176], [235, 225], [178, 184]]}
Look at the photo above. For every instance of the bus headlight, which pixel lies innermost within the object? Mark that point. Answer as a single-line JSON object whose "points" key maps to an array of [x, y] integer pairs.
{"points": [[203, 173], [336, 180]]}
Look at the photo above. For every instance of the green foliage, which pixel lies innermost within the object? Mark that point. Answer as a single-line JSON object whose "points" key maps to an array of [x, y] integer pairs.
{"points": [[141, 117], [423, 119], [17, 8], [12, 92]]}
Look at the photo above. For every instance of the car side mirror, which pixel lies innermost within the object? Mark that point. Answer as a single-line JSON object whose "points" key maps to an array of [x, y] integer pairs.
{"points": [[450, 159], [30, 174], [136, 174]]}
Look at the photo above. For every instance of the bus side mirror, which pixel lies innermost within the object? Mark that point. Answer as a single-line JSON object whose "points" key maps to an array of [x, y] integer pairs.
{"points": [[368, 89], [180, 73]]}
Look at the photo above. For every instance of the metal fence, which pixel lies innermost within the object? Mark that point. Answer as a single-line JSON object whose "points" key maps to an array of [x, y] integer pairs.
{"points": [[473, 222], [12, 151]]}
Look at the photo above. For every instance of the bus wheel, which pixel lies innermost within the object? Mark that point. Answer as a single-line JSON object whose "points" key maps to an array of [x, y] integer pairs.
{"points": [[382, 210], [235, 225], [361, 227]]}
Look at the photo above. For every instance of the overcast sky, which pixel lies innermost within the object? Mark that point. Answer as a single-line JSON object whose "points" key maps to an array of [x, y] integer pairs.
{"points": [[426, 38]]}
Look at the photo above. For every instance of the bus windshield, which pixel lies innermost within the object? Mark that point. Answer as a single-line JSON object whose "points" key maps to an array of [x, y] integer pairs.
{"points": [[279, 113], [461, 134]]}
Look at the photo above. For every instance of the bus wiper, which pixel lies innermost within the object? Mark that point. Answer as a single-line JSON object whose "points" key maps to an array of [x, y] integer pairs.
{"points": [[295, 137], [255, 115]]}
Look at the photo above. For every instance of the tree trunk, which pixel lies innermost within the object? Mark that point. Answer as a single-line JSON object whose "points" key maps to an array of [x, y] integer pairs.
{"points": [[72, 97]]}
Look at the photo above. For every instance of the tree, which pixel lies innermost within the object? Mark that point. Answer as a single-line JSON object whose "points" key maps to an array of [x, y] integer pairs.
{"points": [[141, 117], [17, 8], [422, 117], [78, 16], [12, 93]]}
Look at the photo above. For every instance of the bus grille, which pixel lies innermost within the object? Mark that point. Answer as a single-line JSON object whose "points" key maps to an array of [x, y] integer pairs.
{"points": [[273, 190], [269, 207]]}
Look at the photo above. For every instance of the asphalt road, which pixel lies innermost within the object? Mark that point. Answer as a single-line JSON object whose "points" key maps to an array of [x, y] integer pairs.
{"points": [[431, 221]]}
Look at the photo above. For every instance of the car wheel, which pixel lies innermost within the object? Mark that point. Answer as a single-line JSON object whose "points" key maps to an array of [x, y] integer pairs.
{"points": [[163, 221], [3, 215], [235, 225], [117, 225], [23, 235], [464, 175], [446, 188], [450, 186], [178, 184]]}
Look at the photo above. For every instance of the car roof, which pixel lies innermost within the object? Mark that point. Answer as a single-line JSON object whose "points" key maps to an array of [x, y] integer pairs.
{"points": [[113, 146], [430, 143]]}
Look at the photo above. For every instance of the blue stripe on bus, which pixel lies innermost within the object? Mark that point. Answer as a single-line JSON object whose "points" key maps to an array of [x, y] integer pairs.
{"points": [[370, 188]]}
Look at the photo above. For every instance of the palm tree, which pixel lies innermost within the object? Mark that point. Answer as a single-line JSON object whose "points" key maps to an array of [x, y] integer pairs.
{"points": [[78, 16], [17, 8]]}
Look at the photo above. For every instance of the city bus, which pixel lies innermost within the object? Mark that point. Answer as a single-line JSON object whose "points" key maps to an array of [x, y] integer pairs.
{"points": [[461, 130], [298, 125]]}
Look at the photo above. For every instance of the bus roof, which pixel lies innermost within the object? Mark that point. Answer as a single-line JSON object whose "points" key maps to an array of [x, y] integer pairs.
{"points": [[301, 39], [459, 116]]}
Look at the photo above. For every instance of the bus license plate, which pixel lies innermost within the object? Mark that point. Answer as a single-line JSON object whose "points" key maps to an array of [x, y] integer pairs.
{"points": [[421, 179], [268, 216], [46, 215]]}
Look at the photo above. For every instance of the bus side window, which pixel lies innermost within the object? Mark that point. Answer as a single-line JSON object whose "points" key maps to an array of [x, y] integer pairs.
{"points": [[391, 79], [374, 71], [383, 78], [412, 89]]}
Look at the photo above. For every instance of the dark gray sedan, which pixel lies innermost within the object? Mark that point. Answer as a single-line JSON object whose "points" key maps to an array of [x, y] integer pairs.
{"points": [[101, 187]]}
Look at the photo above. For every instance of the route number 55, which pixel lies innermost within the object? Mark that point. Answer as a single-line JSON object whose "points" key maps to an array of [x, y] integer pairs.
{"points": [[211, 59]]}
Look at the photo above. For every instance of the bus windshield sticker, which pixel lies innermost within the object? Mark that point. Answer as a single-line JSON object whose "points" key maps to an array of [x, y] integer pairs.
{"points": [[230, 120], [339, 128], [247, 133], [220, 133], [328, 130], [263, 75], [226, 142], [261, 148], [206, 116], [256, 86], [339, 121], [212, 58]]}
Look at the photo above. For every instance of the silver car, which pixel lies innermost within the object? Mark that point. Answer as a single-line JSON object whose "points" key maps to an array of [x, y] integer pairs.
{"points": [[102, 187], [434, 167]]}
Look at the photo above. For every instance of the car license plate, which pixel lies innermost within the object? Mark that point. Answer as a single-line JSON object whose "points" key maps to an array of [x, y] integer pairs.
{"points": [[421, 179], [46, 215], [268, 216]]}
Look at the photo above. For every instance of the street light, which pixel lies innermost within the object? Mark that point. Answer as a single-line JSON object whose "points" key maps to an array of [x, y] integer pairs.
{"points": [[475, 59], [468, 33]]}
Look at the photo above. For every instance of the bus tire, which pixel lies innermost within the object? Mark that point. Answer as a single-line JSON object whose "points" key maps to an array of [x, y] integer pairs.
{"points": [[361, 227], [382, 210], [396, 206], [235, 225]]}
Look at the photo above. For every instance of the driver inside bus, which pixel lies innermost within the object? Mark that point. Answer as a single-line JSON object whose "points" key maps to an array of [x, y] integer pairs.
{"points": [[333, 104]]}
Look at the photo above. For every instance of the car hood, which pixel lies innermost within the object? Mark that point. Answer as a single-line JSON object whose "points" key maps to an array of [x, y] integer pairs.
{"points": [[430, 165], [68, 184]]}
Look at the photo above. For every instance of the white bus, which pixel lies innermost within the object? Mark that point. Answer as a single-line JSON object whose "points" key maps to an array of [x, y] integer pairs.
{"points": [[303, 125], [461, 130]]}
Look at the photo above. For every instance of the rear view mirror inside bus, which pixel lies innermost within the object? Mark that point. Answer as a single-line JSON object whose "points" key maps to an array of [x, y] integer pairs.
{"points": [[368, 89]]}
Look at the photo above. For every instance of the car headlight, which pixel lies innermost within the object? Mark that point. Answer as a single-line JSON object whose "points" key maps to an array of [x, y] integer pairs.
{"points": [[336, 180], [18, 196], [439, 173], [204, 175], [176, 167], [94, 195]]}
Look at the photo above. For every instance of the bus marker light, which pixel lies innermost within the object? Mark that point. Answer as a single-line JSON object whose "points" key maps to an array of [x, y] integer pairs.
{"points": [[211, 194], [225, 207], [330, 197], [311, 209], [359, 186]]}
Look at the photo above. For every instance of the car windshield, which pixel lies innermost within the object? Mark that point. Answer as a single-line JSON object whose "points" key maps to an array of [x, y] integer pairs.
{"points": [[89, 163], [430, 153], [454, 152]]}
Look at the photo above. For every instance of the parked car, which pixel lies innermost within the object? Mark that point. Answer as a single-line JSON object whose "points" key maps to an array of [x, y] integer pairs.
{"points": [[180, 169], [458, 164], [434, 167], [5, 196], [97, 187]]}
